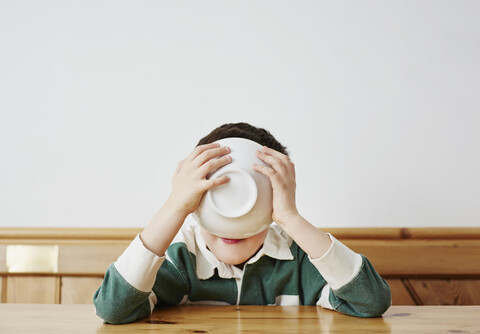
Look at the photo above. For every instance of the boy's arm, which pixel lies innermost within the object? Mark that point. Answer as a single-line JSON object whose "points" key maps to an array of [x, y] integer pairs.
{"points": [[354, 287], [189, 183], [135, 283], [282, 177], [126, 292]]}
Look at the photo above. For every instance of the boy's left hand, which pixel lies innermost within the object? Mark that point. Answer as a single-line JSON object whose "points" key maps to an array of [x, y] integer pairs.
{"points": [[282, 176]]}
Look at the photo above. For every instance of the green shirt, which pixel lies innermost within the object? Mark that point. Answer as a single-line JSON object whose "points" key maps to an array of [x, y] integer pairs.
{"points": [[281, 273]]}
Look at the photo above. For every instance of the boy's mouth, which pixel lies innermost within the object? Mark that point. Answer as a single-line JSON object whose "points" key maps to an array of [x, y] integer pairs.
{"points": [[230, 241]]}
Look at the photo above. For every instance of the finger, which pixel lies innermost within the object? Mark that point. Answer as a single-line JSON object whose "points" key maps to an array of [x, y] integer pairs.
{"points": [[274, 153], [209, 154], [272, 161], [199, 150], [282, 157], [267, 171], [212, 183], [214, 164]]}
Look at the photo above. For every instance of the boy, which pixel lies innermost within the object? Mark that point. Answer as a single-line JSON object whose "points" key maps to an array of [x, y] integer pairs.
{"points": [[291, 263]]}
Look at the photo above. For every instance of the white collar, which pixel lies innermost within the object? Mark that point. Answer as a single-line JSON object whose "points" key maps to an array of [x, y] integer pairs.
{"points": [[276, 245]]}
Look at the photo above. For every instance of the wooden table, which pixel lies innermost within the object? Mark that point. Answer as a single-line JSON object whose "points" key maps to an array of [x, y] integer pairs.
{"points": [[28, 318]]}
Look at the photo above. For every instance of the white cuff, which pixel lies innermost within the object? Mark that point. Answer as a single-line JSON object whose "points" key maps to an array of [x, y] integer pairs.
{"points": [[139, 266], [324, 300], [339, 265]]}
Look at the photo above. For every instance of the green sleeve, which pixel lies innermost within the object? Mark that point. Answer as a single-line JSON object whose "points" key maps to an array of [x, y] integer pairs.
{"points": [[117, 302], [367, 295], [170, 286]]}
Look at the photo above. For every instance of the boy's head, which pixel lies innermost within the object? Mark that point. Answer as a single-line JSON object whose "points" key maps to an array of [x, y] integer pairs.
{"points": [[244, 130], [230, 251]]}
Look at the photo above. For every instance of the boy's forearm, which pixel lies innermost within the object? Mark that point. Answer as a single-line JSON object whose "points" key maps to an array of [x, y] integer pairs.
{"points": [[163, 227], [312, 240]]}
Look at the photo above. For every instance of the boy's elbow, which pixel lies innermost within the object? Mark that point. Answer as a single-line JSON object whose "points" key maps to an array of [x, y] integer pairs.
{"points": [[111, 317], [381, 299], [375, 305], [117, 312], [115, 321], [380, 306], [108, 312], [386, 301]]}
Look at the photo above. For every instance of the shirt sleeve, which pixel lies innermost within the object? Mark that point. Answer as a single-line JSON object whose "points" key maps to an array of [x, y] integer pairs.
{"points": [[339, 265], [353, 286], [138, 265], [126, 292]]}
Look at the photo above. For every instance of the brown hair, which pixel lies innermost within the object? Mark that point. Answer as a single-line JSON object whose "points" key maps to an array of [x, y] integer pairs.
{"points": [[244, 130]]}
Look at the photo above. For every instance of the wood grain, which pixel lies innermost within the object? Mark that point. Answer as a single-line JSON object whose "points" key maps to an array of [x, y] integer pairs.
{"points": [[69, 233], [399, 254], [340, 233], [48, 319], [395, 252], [400, 258], [364, 233], [79, 290], [33, 289], [73, 319], [438, 233], [3, 258], [92, 259], [415, 233], [400, 294], [446, 292]]}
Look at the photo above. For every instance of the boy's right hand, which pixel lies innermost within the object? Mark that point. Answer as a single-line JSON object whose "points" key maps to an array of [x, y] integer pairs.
{"points": [[190, 182]]}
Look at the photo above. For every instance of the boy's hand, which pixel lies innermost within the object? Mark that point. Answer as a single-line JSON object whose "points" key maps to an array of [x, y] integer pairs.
{"points": [[282, 176], [189, 181]]}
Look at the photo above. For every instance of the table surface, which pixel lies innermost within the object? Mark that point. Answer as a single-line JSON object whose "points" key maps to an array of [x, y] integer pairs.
{"points": [[30, 318]]}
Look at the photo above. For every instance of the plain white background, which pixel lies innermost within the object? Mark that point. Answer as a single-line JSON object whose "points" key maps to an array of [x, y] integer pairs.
{"points": [[377, 101]]}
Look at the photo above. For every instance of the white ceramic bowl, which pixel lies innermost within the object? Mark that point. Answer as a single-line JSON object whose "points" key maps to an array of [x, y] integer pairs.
{"points": [[242, 207]]}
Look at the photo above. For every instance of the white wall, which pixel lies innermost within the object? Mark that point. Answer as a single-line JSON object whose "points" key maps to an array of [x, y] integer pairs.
{"points": [[376, 100]]}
